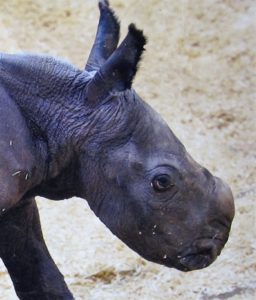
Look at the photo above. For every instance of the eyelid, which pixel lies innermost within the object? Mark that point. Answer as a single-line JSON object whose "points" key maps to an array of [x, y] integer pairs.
{"points": [[161, 170]]}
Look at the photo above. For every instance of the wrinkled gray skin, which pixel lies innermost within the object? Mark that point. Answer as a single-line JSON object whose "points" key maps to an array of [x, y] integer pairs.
{"points": [[66, 132]]}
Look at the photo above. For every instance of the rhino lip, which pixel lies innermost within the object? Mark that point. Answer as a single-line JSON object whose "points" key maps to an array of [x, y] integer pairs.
{"points": [[201, 254], [196, 261]]}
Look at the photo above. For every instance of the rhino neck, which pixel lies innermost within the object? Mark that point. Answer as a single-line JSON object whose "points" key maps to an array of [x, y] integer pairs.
{"points": [[48, 93]]}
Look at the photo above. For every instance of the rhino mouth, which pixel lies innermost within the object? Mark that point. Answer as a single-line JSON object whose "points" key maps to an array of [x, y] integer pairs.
{"points": [[197, 261], [201, 255]]}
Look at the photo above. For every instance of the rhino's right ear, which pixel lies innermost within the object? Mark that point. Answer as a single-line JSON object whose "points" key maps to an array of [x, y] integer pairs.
{"points": [[106, 39], [117, 73]]}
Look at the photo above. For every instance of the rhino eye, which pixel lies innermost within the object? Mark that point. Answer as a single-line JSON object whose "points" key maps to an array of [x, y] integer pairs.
{"points": [[162, 183]]}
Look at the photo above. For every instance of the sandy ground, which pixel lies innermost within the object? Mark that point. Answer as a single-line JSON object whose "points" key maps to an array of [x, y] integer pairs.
{"points": [[198, 72]]}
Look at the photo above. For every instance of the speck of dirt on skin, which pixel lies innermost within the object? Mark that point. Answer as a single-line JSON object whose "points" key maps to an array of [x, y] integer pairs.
{"points": [[16, 173]]}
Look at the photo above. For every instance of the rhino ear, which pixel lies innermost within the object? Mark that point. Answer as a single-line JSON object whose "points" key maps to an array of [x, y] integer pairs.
{"points": [[117, 73], [106, 39]]}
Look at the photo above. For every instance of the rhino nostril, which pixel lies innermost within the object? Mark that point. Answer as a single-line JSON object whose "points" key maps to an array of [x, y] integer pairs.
{"points": [[206, 247], [221, 224], [205, 252]]}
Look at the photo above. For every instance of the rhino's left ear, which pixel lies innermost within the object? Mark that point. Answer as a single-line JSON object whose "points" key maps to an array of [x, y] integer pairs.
{"points": [[117, 73]]}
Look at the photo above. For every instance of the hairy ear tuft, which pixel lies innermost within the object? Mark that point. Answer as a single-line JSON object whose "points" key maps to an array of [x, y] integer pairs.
{"points": [[103, 3], [138, 36]]}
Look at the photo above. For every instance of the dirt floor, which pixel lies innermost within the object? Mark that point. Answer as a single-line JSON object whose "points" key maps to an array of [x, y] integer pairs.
{"points": [[199, 72]]}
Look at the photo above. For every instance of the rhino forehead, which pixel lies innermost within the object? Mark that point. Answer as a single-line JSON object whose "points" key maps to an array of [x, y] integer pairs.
{"points": [[153, 135]]}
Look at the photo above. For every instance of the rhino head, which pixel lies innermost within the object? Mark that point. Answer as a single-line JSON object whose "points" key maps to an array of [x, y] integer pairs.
{"points": [[136, 175], [94, 137]]}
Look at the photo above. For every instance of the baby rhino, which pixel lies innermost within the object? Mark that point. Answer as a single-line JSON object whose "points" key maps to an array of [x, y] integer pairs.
{"points": [[67, 132]]}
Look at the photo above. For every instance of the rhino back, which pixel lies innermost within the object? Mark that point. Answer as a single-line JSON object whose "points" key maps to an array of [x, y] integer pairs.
{"points": [[35, 77]]}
